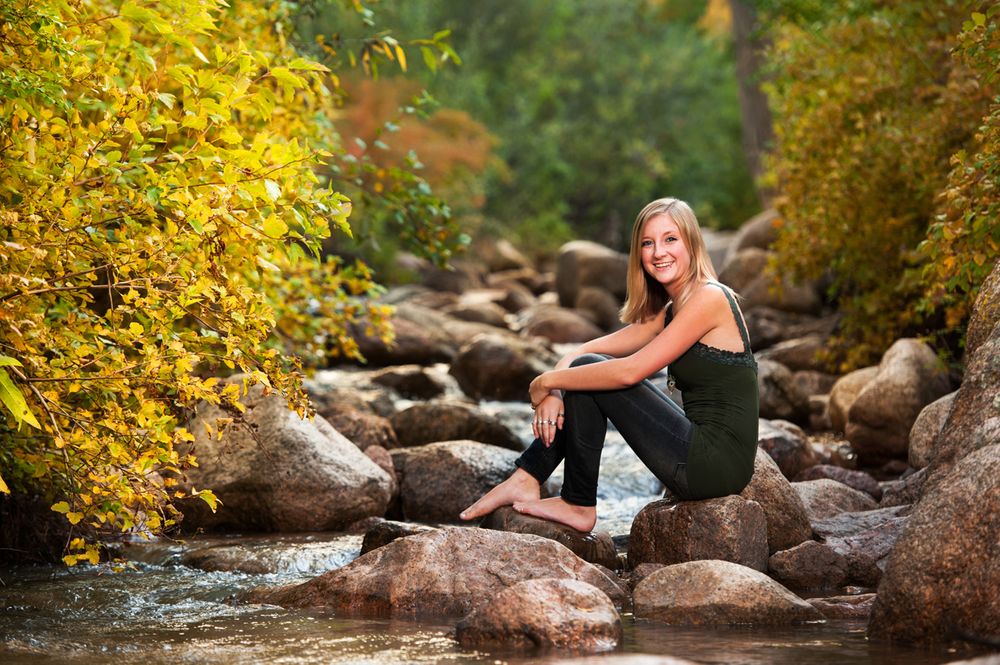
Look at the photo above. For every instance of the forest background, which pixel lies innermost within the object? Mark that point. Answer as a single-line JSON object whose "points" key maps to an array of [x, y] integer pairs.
{"points": [[190, 191]]}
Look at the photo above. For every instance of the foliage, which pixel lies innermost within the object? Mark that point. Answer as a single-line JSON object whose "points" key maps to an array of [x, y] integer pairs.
{"points": [[163, 201], [963, 242], [597, 107], [869, 108]]}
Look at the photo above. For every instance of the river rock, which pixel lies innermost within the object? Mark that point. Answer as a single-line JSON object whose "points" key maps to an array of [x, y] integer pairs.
{"points": [[787, 521], [280, 472], [526, 281], [985, 312], [779, 397], [360, 426], [460, 276], [812, 383], [729, 528], [489, 313], [429, 422], [633, 659], [974, 420], [595, 547], [558, 325], [853, 523], [503, 255], [759, 231], [910, 377], [439, 480], [798, 354], [414, 381], [926, 429], [825, 498], [867, 551], [717, 592], [943, 573], [600, 306], [809, 566], [905, 491], [767, 326], [414, 341], [845, 391], [859, 480], [858, 606], [585, 263], [545, 614], [446, 572], [743, 267], [785, 295], [500, 368], [384, 532], [787, 445]]}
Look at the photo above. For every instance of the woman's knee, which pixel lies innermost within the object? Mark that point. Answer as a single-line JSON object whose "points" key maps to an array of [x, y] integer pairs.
{"points": [[588, 359]]}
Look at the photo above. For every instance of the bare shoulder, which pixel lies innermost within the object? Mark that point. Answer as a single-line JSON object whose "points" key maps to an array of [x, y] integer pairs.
{"points": [[710, 297]]}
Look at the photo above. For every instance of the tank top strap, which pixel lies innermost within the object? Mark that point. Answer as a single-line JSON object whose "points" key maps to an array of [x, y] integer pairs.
{"points": [[736, 315]]}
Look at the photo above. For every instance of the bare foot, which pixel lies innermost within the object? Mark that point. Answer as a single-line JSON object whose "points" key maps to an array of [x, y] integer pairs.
{"points": [[581, 518], [521, 486]]}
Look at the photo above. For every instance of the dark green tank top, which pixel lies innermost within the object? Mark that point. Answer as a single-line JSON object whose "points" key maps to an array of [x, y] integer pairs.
{"points": [[721, 401]]}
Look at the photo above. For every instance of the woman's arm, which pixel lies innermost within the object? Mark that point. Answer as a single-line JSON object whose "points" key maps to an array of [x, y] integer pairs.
{"points": [[620, 343], [701, 313]]}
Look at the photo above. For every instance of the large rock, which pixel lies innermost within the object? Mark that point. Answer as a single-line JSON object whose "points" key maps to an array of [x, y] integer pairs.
{"points": [[867, 550], [743, 267], [859, 480], [825, 498], [585, 263], [717, 592], [429, 422], [787, 445], [503, 255], [798, 354], [482, 312], [943, 573], [809, 566], [414, 381], [851, 524], [446, 572], [384, 532], [780, 398], [910, 377], [974, 420], [787, 521], [845, 607], [926, 429], [558, 325], [845, 391], [500, 368], [600, 306], [439, 480], [362, 427], [786, 295], [418, 337], [729, 528], [280, 472], [546, 614], [759, 231], [595, 547], [985, 312]]}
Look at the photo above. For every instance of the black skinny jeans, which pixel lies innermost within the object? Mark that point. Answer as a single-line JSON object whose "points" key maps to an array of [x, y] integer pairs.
{"points": [[651, 423]]}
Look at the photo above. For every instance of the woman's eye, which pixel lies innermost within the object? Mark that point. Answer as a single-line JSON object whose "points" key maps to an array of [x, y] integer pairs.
{"points": [[646, 243]]}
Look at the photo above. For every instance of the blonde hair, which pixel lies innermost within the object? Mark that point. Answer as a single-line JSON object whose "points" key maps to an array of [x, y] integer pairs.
{"points": [[645, 296]]}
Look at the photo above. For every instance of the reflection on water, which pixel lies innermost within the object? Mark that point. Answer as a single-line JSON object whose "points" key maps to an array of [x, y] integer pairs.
{"points": [[167, 614]]}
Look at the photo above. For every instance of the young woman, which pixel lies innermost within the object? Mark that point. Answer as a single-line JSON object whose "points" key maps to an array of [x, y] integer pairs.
{"points": [[678, 317]]}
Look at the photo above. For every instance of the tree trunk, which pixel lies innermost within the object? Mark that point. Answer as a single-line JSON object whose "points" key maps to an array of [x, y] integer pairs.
{"points": [[758, 132]]}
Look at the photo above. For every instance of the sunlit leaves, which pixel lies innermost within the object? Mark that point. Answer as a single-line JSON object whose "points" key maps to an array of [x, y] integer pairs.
{"points": [[161, 219]]}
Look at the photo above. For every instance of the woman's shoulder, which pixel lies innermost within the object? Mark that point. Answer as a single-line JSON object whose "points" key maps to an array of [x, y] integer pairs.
{"points": [[711, 293]]}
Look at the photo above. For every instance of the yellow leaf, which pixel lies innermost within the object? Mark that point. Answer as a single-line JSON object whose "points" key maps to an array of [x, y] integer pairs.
{"points": [[74, 518], [61, 507], [3, 486]]}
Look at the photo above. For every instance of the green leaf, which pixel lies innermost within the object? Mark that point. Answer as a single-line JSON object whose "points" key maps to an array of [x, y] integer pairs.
{"points": [[7, 361], [978, 18], [13, 399]]}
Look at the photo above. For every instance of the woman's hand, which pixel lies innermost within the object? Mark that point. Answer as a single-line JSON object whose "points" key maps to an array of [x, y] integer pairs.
{"points": [[549, 417]]}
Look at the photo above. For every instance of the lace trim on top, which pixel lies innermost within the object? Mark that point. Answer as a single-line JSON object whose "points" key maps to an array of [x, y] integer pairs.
{"points": [[725, 356]]}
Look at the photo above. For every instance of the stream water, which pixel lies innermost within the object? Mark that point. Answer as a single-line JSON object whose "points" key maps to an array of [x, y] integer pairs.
{"points": [[171, 604]]}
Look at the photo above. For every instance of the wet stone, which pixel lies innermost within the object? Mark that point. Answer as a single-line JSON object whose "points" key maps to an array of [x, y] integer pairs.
{"points": [[596, 547]]}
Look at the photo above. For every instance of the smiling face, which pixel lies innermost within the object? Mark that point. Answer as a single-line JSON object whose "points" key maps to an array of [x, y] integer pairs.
{"points": [[665, 255]]}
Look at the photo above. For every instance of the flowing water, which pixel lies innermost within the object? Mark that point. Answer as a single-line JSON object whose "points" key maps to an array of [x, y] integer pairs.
{"points": [[178, 602]]}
